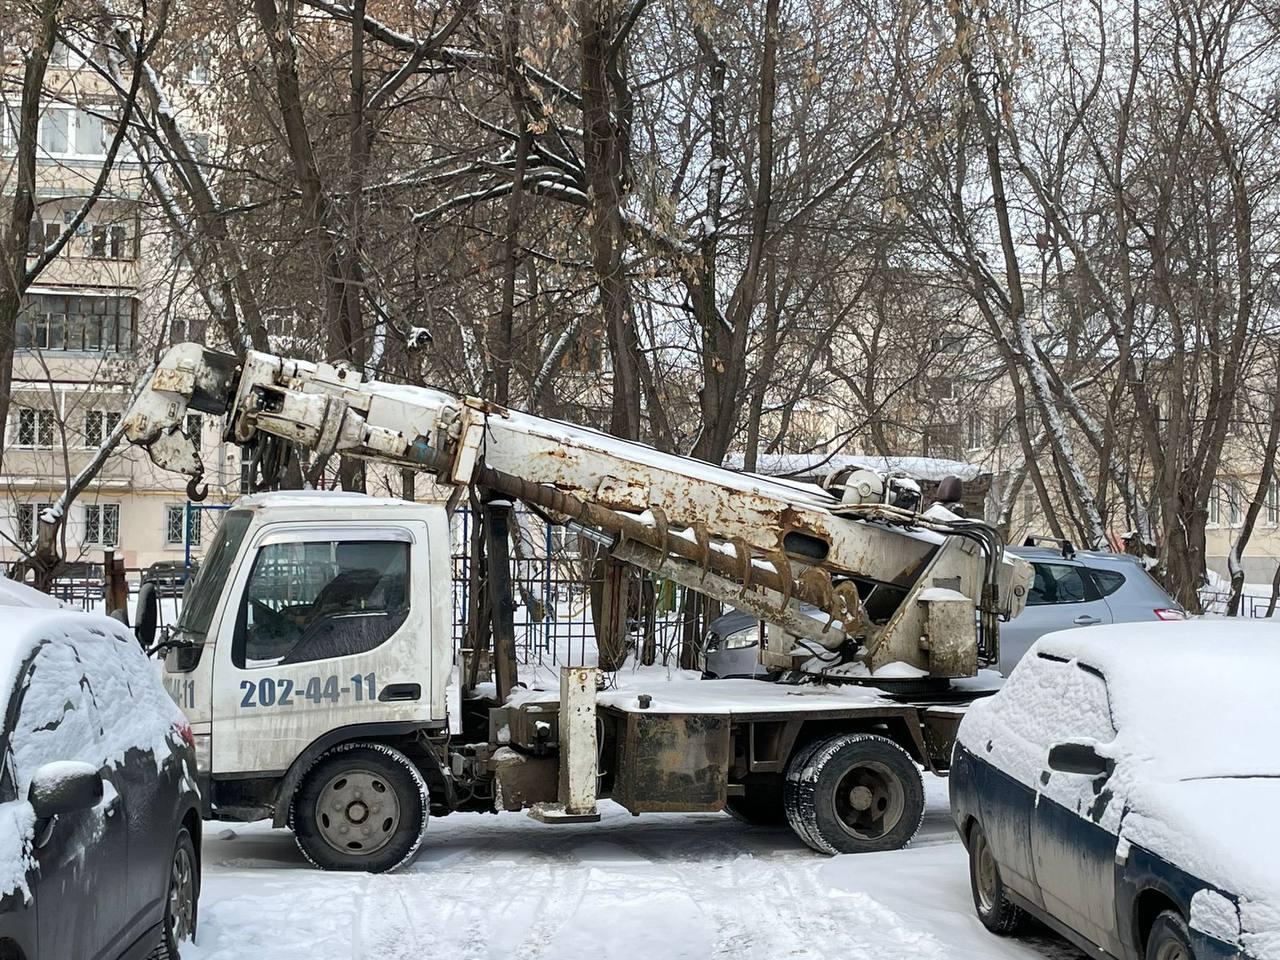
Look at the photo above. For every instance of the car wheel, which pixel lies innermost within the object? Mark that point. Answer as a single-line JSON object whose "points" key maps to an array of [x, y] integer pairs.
{"points": [[362, 806], [760, 806], [997, 913], [182, 901], [857, 793], [1169, 939]]}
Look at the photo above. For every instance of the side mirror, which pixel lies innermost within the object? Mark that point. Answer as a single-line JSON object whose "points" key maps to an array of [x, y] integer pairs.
{"points": [[148, 614], [64, 787], [1079, 757]]}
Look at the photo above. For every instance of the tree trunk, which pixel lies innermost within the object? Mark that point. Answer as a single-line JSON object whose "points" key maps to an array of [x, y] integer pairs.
{"points": [[605, 151]]}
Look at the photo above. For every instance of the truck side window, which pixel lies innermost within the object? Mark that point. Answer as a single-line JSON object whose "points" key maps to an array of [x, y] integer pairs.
{"points": [[318, 600]]}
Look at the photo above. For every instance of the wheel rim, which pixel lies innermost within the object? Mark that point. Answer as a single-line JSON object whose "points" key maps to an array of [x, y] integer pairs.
{"points": [[869, 801], [985, 875], [357, 812], [182, 896], [1172, 950]]}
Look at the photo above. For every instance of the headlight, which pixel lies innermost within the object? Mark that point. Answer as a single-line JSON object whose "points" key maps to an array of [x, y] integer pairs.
{"points": [[741, 639]]}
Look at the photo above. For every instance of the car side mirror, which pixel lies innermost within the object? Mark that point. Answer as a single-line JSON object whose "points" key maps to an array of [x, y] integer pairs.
{"points": [[64, 787], [1079, 757]]}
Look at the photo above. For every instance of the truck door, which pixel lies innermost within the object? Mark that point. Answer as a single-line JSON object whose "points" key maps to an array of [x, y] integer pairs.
{"points": [[327, 631]]}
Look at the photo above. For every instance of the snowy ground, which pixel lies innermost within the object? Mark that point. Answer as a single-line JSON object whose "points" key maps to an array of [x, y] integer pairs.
{"points": [[659, 886]]}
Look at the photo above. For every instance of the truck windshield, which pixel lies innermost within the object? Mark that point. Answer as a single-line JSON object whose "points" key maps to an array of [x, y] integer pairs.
{"points": [[203, 597]]}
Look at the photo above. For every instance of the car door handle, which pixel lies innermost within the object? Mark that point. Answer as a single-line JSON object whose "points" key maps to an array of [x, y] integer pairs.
{"points": [[1086, 621]]}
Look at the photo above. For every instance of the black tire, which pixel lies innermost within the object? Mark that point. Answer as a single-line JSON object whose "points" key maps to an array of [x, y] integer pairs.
{"points": [[1169, 938], [760, 806], [361, 806], [996, 911], [182, 899], [796, 770], [857, 793]]}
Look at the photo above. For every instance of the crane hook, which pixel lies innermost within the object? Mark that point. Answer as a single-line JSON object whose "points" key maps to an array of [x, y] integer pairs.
{"points": [[196, 493]]}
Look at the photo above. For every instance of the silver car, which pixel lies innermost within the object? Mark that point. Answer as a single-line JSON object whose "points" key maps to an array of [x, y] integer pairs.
{"points": [[1081, 589], [1071, 589]]}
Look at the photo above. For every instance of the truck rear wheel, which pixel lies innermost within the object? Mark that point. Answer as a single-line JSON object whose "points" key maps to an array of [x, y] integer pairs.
{"points": [[361, 806], [857, 793]]}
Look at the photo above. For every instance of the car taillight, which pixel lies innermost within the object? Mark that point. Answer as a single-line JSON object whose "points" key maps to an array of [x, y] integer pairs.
{"points": [[184, 731], [1164, 613]]}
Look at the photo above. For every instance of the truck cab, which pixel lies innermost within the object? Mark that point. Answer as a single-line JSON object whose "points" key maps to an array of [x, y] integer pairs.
{"points": [[317, 618]]}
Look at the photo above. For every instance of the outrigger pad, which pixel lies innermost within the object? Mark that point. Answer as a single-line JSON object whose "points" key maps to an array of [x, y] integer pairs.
{"points": [[556, 813]]}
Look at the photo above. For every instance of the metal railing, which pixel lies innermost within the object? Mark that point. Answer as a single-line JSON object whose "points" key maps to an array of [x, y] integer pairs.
{"points": [[553, 579], [1252, 606]]}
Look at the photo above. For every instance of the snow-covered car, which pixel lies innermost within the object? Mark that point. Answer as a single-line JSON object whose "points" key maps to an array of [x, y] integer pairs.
{"points": [[99, 809], [1123, 787]]}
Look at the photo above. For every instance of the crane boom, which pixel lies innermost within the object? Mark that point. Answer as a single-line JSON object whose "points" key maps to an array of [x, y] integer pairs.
{"points": [[850, 579]]}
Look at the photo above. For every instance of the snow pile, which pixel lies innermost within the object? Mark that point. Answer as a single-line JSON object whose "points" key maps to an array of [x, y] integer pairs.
{"points": [[1187, 712]]}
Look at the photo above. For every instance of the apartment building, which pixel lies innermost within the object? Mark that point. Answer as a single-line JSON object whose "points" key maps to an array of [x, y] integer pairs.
{"points": [[89, 328]]}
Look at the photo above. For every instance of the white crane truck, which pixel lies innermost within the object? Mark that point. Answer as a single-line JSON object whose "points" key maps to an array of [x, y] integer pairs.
{"points": [[315, 658]]}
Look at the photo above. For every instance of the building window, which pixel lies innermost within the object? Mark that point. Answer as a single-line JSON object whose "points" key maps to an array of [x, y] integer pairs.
{"points": [[175, 521], [98, 425], [35, 427], [974, 430], [69, 322], [102, 524], [109, 242], [195, 428], [1237, 510], [952, 342], [55, 132], [70, 132], [944, 388], [177, 330], [27, 517], [246, 468], [1215, 507], [42, 236], [1273, 502]]}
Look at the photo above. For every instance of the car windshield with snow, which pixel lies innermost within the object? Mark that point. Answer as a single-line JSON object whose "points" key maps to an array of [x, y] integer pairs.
{"points": [[1122, 788], [99, 810]]}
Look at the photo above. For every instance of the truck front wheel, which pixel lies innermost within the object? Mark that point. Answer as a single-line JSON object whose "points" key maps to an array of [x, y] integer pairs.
{"points": [[857, 793], [361, 806]]}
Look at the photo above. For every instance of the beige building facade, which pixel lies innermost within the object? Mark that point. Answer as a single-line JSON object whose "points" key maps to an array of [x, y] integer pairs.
{"points": [[90, 326]]}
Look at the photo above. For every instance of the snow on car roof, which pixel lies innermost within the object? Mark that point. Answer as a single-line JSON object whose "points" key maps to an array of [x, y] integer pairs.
{"points": [[1190, 699], [15, 594]]}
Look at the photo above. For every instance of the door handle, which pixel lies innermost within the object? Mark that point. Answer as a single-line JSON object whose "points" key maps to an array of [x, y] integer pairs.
{"points": [[400, 691], [1086, 621]]}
